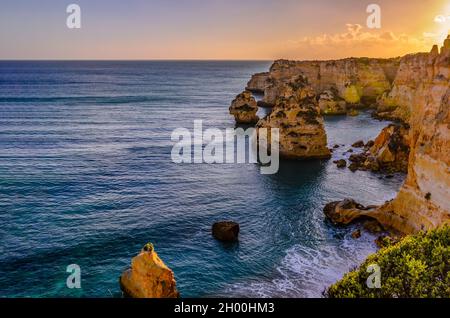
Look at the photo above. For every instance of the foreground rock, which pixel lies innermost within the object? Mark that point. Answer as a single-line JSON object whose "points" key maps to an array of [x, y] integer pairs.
{"points": [[347, 211], [244, 109], [148, 277], [226, 231], [297, 116]]}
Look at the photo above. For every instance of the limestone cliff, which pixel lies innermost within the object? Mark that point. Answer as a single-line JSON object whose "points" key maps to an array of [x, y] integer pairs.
{"points": [[423, 202], [416, 75], [355, 80], [148, 277], [296, 114]]}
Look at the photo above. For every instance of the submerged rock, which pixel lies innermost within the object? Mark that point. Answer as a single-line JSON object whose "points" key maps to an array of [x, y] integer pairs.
{"points": [[226, 231], [244, 109], [148, 277]]}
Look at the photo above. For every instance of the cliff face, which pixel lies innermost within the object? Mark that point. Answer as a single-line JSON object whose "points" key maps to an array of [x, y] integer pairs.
{"points": [[296, 114], [424, 200], [355, 80], [258, 83]]}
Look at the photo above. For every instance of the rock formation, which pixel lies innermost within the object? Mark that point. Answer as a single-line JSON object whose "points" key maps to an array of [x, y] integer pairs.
{"points": [[389, 153], [297, 115], [244, 108], [258, 83], [226, 231], [423, 202], [331, 104], [354, 80], [148, 277]]}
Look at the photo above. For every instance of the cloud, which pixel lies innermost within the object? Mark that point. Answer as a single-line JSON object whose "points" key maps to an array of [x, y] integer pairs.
{"points": [[441, 19], [356, 40]]}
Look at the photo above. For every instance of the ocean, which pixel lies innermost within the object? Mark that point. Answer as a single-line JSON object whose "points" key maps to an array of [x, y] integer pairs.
{"points": [[86, 178]]}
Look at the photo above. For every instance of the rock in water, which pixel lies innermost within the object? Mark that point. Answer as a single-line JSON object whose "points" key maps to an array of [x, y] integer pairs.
{"points": [[148, 277], [341, 163], [226, 231], [356, 234], [297, 116], [358, 144], [244, 109]]}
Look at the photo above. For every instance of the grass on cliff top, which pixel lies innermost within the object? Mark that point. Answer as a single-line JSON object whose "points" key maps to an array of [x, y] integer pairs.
{"points": [[416, 267]]}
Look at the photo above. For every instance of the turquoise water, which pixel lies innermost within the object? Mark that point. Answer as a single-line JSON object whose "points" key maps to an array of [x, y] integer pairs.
{"points": [[86, 177]]}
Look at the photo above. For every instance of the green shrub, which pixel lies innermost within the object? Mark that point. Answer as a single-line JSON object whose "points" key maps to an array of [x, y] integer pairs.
{"points": [[416, 267]]}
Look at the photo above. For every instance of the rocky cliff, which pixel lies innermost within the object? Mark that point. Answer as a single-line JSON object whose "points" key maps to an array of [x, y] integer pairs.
{"points": [[423, 202], [357, 81]]}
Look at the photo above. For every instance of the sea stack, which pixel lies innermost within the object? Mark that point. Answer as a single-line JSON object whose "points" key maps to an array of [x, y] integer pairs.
{"points": [[148, 277], [296, 114], [244, 109]]}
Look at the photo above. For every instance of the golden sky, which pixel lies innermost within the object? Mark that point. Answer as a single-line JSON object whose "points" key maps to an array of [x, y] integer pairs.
{"points": [[220, 29]]}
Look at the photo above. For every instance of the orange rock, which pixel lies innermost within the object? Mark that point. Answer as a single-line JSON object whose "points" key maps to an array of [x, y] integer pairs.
{"points": [[148, 277]]}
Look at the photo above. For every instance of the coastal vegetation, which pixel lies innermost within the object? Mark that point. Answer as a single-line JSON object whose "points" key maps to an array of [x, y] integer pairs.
{"points": [[416, 267]]}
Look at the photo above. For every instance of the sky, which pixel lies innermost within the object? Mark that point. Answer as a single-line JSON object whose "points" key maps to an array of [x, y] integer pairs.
{"points": [[219, 29]]}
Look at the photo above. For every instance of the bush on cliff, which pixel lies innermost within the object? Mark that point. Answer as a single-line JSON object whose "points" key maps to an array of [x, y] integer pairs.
{"points": [[416, 267]]}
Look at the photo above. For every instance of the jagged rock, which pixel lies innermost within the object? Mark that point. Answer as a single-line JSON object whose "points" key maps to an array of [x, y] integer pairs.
{"points": [[341, 163], [226, 231], [373, 226], [301, 127], [148, 277], [330, 104], [358, 144], [244, 109], [369, 144], [346, 211], [258, 83], [388, 153]]}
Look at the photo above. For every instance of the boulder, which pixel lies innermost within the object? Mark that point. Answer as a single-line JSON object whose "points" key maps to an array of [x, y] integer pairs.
{"points": [[341, 163], [148, 277], [226, 231], [244, 109], [358, 144]]}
